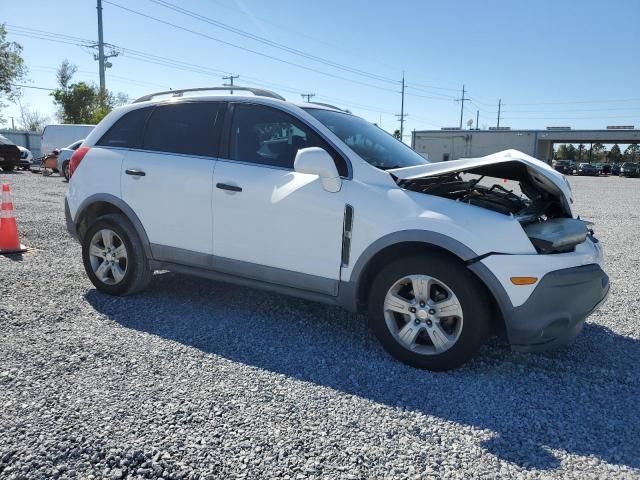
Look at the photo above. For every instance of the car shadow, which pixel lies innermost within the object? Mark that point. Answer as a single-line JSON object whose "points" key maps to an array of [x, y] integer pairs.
{"points": [[588, 404]]}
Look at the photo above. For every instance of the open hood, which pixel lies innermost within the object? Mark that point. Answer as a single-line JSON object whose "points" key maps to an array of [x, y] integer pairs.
{"points": [[508, 164], [541, 204]]}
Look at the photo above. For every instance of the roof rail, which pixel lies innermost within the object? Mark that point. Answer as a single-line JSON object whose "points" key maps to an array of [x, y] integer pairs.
{"points": [[329, 106], [180, 92]]}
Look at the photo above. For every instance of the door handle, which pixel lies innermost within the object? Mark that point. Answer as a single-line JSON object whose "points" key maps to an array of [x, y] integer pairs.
{"points": [[137, 173], [226, 186]]}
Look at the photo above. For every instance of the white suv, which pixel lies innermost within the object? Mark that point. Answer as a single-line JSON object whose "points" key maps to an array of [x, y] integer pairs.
{"points": [[311, 201]]}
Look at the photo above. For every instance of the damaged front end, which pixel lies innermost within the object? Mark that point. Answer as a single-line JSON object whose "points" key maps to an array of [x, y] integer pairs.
{"points": [[510, 183]]}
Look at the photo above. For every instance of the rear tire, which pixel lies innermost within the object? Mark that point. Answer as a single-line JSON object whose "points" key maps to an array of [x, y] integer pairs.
{"points": [[451, 314], [114, 257], [65, 170]]}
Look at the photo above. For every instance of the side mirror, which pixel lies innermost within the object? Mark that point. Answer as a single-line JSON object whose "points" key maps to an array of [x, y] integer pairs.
{"points": [[316, 161]]}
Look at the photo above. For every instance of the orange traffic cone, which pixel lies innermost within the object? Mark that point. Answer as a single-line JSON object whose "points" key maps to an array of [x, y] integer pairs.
{"points": [[9, 240]]}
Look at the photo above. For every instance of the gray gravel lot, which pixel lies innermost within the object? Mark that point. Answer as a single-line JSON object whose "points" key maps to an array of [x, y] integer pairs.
{"points": [[198, 379]]}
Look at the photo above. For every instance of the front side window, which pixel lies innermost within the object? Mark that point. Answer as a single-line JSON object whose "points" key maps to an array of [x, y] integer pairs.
{"points": [[371, 143], [267, 136], [186, 128], [127, 132]]}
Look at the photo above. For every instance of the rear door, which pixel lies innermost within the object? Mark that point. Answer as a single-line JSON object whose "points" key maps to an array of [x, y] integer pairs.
{"points": [[168, 181]]}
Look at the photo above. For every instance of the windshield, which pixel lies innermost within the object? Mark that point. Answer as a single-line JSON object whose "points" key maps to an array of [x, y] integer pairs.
{"points": [[370, 142]]}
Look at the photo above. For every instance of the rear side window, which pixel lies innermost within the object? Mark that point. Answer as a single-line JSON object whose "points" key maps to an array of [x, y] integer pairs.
{"points": [[128, 131], [187, 128]]}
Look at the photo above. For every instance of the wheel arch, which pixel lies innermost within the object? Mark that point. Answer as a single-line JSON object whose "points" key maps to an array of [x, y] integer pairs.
{"points": [[103, 204], [407, 243]]}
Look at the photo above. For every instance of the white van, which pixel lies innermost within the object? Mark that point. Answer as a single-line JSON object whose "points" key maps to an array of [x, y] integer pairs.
{"points": [[59, 136]]}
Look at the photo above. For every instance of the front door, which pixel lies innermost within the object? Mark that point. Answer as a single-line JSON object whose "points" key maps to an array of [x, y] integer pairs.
{"points": [[270, 222]]}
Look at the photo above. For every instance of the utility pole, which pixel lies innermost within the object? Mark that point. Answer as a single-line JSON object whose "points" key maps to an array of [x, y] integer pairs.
{"points": [[462, 105], [402, 115], [477, 118], [499, 108], [230, 84], [100, 46], [103, 64], [308, 96], [13, 126]]}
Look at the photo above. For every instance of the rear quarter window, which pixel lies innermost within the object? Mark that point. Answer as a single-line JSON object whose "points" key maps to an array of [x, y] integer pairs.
{"points": [[128, 131]]}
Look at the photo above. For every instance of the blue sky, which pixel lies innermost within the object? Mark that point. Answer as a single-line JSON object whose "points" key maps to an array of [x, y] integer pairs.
{"points": [[551, 62]]}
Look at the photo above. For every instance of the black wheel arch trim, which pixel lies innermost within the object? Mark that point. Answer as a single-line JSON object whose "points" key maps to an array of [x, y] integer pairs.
{"points": [[445, 242], [124, 208]]}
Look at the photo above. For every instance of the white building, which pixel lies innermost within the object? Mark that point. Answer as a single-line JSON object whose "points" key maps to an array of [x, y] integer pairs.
{"points": [[451, 144]]}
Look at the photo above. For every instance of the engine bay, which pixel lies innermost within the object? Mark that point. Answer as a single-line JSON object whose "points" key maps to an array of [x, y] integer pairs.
{"points": [[544, 216], [526, 203]]}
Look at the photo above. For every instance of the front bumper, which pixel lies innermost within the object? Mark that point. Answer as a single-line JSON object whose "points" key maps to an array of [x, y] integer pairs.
{"points": [[556, 310], [551, 312]]}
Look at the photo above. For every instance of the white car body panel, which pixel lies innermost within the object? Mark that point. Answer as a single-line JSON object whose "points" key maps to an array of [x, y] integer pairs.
{"points": [[286, 220], [100, 174], [173, 199], [28, 158], [506, 266], [281, 219], [66, 153], [380, 211]]}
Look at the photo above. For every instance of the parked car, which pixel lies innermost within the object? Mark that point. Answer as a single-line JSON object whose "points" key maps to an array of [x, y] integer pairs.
{"points": [[615, 169], [312, 201], [65, 156], [564, 166], [603, 168], [586, 169], [629, 169], [9, 154], [26, 158], [56, 137]]}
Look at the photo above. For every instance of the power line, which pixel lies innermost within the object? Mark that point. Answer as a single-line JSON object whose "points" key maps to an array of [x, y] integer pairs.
{"points": [[175, 64], [269, 42], [579, 102], [30, 86], [271, 57]]}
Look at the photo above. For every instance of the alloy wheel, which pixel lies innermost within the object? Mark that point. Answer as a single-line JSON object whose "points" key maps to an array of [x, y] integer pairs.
{"points": [[108, 256], [423, 314]]}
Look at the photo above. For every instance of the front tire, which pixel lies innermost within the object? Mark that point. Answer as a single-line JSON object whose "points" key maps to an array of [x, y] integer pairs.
{"points": [[8, 168], [114, 257], [429, 312]]}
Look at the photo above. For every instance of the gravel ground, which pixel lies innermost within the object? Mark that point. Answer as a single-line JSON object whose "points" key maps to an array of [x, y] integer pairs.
{"points": [[197, 379]]}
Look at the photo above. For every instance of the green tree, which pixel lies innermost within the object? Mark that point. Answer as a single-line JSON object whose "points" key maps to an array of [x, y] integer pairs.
{"points": [[32, 120], [632, 152], [396, 134], [12, 68], [615, 155], [82, 102], [566, 152], [597, 151]]}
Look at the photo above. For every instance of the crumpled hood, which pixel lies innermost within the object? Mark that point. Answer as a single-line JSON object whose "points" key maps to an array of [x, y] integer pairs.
{"points": [[509, 164]]}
